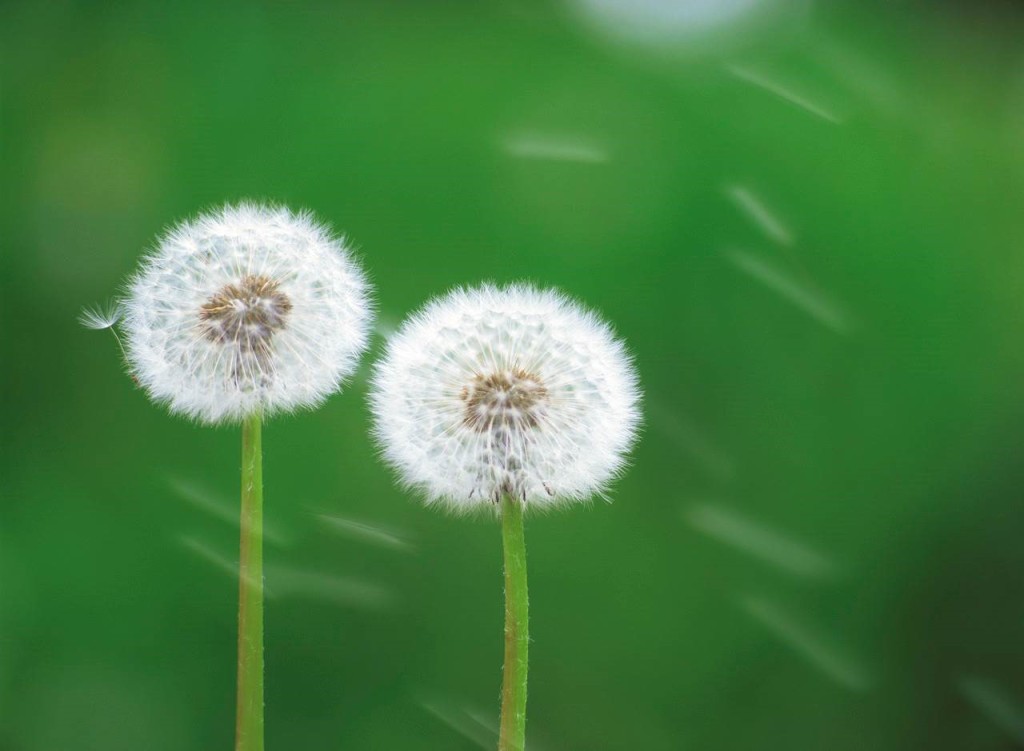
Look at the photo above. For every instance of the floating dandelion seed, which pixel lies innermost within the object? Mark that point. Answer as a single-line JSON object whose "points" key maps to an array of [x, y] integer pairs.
{"points": [[104, 318], [505, 391], [512, 396], [247, 309], [99, 318]]}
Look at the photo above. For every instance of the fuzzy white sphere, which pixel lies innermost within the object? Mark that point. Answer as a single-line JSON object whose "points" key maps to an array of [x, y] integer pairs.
{"points": [[505, 390], [247, 309]]}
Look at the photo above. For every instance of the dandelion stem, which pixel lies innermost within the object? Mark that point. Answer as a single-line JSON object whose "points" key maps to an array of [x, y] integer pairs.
{"points": [[249, 725], [517, 633]]}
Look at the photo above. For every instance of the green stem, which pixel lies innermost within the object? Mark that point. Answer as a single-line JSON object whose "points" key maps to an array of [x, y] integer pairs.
{"points": [[249, 724], [517, 630]]}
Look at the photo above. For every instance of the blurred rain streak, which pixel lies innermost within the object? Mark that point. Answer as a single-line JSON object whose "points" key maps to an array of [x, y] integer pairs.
{"points": [[555, 149], [783, 91], [810, 645], [305, 584], [219, 508], [467, 724], [211, 555], [758, 541], [997, 705], [689, 439], [373, 534], [765, 219], [804, 297]]}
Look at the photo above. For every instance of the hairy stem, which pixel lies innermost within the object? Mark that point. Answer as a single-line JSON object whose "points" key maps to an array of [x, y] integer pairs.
{"points": [[249, 724], [512, 735]]}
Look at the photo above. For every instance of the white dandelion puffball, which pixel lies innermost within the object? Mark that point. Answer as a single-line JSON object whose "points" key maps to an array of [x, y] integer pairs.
{"points": [[248, 309], [505, 390]]}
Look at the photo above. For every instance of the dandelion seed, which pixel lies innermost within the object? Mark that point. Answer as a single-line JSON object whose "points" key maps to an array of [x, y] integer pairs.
{"points": [[103, 318], [505, 391], [250, 309], [99, 318]]}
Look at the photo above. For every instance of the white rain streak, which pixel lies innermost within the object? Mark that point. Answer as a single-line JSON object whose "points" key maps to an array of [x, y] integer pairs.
{"points": [[217, 559], [758, 541], [866, 78], [692, 441], [373, 534], [807, 299], [469, 725], [301, 584], [809, 644], [385, 327], [756, 210], [382, 329], [996, 704], [290, 583], [555, 148], [219, 508], [783, 91], [486, 721]]}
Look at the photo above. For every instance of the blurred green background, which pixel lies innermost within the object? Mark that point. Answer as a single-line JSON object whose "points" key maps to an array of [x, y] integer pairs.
{"points": [[805, 218]]}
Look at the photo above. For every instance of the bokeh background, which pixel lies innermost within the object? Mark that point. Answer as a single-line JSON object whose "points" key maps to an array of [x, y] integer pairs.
{"points": [[805, 218]]}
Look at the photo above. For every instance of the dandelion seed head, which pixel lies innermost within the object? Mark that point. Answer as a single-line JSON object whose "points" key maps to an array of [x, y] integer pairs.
{"points": [[246, 309], [505, 390]]}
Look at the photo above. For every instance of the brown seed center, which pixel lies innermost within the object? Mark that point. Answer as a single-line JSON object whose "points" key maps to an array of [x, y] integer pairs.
{"points": [[506, 399], [246, 314]]}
